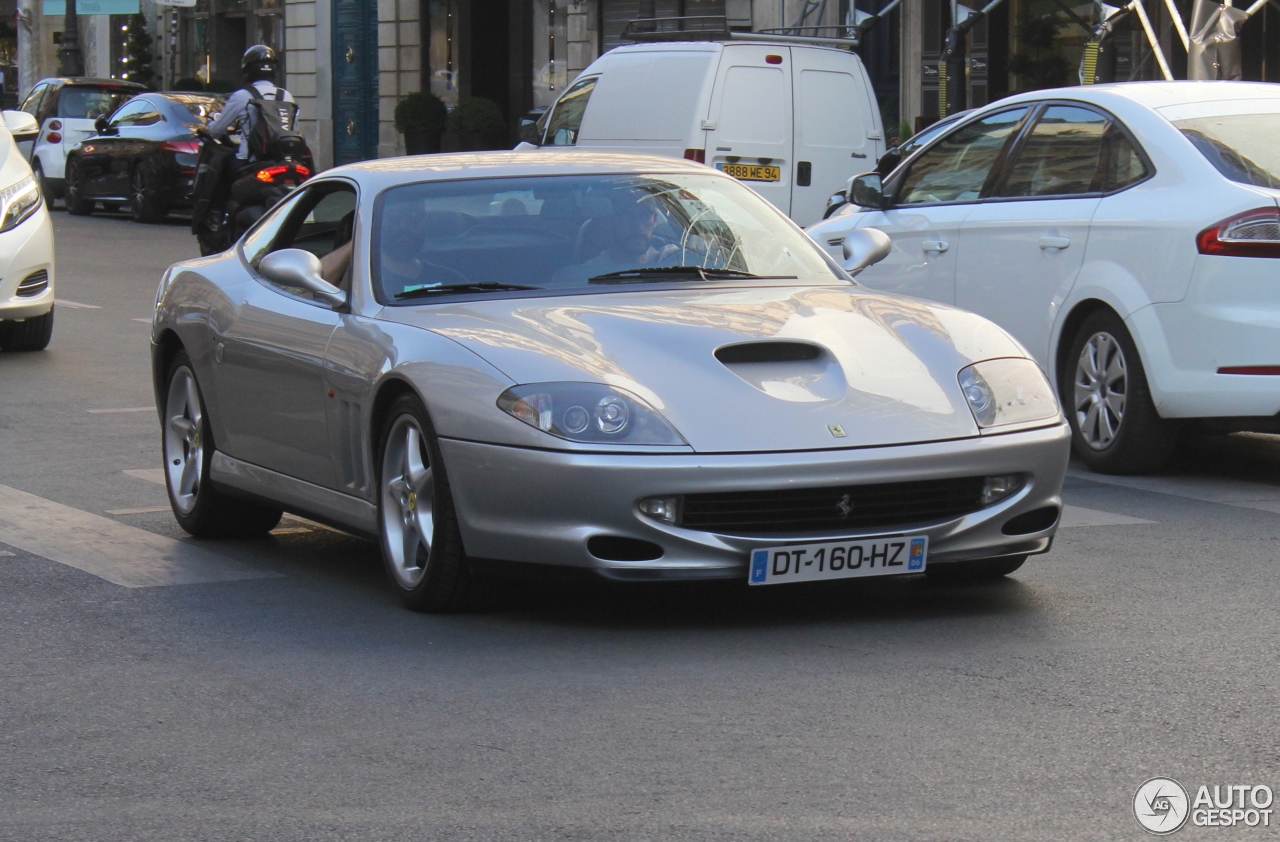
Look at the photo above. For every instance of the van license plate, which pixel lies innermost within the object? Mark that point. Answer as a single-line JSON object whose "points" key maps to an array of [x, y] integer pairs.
{"points": [[751, 172], [838, 560]]}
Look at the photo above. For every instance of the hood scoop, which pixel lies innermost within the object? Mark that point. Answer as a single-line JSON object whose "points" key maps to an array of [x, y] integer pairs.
{"points": [[800, 372]]}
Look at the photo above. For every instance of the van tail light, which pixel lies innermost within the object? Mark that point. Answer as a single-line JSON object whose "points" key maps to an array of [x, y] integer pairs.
{"points": [[55, 125], [1255, 233], [699, 155], [182, 147], [53, 137]]}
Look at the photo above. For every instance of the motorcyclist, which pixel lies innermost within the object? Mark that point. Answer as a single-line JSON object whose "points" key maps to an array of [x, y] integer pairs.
{"points": [[259, 65]]}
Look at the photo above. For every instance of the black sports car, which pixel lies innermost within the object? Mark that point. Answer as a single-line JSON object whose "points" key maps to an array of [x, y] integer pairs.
{"points": [[144, 156]]}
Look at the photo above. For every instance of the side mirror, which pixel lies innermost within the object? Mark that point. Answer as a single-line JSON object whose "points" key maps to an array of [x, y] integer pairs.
{"points": [[867, 191], [864, 247], [301, 270], [834, 203], [102, 125], [21, 125], [529, 132]]}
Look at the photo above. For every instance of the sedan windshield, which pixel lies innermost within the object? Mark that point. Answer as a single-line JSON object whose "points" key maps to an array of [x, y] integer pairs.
{"points": [[599, 232], [1242, 146]]}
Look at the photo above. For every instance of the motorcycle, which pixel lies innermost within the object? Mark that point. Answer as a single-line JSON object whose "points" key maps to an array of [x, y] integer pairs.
{"points": [[229, 195]]}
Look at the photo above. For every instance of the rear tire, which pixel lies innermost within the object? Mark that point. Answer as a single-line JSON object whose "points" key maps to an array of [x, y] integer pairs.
{"points": [[981, 570], [1115, 428], [187, 442], [31, 334], [419, 534], [73, 197], [145, 203], [37, 172]]}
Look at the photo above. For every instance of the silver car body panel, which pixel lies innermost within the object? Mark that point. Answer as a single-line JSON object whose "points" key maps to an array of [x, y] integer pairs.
{"points": [[291, 387]]}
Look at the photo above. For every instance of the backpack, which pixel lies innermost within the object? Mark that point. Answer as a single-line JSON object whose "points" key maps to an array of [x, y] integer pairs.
{"points": [[269, 127]]}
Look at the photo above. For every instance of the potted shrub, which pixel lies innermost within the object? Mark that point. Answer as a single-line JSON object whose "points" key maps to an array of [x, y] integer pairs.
{"points": [[420, 117], [475, 124]]}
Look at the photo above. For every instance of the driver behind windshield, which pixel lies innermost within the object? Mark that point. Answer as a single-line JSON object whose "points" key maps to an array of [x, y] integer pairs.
{"points": [[400, 266], [627, 238]]}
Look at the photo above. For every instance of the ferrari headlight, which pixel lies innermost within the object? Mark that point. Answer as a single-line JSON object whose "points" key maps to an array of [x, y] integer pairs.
{"points": [[18, 202], [1008, 391], [589, 413]]}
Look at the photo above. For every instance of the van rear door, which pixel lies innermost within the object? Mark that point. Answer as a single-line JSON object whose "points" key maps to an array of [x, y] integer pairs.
{"points": [[749, 122], [837, 133]]}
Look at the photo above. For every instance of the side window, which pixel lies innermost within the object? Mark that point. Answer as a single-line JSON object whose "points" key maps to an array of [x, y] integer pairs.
{"points": [[31, 104], [1122, 163], [257, 243], [1062, 155], [136, 113], [956, 167], [320, 221], [566, 116]]}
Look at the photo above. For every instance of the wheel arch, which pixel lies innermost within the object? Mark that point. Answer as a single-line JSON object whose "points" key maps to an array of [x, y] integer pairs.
{"points": [[164, 351], [1067, 332], [387, 391]]}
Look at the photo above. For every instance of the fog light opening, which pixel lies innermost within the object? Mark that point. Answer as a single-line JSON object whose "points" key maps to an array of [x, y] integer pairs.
{"points": [[1036, 520], [665, 509], [997, 488], [618, 548]]}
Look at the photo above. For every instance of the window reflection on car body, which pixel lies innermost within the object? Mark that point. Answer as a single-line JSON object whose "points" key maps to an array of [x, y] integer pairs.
{"points": [[654, 273], [424, 291]]}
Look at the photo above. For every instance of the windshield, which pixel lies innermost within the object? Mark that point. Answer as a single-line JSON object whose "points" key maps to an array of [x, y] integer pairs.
{"points": [[91, 102], [589, 231], [1242, 146]]}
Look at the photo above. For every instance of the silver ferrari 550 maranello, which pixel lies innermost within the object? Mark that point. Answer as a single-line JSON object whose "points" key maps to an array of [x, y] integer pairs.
{"points": [[633, 366]]}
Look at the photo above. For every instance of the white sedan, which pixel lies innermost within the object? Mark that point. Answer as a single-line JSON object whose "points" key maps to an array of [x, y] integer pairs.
{"points": [[26, 244], [1128, 235]]}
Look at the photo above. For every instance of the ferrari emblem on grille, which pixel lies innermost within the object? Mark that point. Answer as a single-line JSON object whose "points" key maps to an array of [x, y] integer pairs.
{"points": [[836, 430], [845, 505]]}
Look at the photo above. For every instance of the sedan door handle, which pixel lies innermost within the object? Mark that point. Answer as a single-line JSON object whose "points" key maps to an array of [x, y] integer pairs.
{"points": [[1054, 242], [936, 245]]}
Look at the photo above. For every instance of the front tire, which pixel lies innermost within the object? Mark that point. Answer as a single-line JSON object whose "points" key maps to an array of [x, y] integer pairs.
{"points": [[420, 538], [31, 334], [981, 570], [145, 203], [74, 197], [201, 509], [1115, 428]]}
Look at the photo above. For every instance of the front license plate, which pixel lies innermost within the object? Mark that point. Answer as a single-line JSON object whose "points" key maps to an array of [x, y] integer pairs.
{"points": [[838, 560], [751, 172]]}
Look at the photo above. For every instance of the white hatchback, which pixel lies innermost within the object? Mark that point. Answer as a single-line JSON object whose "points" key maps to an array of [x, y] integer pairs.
{"points": [[1128, 235], [26, 244]]}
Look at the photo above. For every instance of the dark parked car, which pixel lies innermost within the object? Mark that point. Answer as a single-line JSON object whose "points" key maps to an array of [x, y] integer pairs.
{"points": [[144, 155]]}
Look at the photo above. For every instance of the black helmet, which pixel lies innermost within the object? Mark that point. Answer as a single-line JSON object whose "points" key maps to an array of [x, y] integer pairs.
{"points": [[259, 62]]}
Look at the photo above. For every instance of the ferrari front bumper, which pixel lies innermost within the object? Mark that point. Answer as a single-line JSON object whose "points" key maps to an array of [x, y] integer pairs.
{"points": [[544, 506]]}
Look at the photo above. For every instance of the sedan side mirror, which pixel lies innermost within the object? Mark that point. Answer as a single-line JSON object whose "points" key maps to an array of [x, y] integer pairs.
{"points": [[300, 269], [867, 191], [21, 125], [102, 125], [864, 247]]}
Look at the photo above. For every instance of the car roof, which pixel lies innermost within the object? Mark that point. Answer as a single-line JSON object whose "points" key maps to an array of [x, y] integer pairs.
{"points": [[91, 81], [386, 172], [1158, 94]]}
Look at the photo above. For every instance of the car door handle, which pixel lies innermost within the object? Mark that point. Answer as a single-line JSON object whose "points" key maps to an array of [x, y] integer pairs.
{"points": [[1054, 242], [935, 245]]}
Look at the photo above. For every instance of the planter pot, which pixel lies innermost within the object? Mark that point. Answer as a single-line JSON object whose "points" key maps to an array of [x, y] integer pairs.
{"points": [[421, 142], [451, 141]]}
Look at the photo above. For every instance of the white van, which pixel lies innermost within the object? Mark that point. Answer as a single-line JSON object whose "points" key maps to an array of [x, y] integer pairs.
{"points": [[793, 120]]}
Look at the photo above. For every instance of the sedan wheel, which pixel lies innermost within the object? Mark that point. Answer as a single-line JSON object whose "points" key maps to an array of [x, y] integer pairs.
{"points": [[421, 543], [73, 196], [1114, 424], [144, 204], [187, 443]]}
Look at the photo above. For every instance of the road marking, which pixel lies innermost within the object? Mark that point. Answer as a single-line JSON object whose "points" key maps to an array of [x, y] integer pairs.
{"points": [[75, 305], [144, 510], [144, 321], [1080, 516], [7, 554], [117, 552], [155, 475], [120, 411]]}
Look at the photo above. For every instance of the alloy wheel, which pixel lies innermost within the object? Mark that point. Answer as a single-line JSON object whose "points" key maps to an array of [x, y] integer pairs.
{"points": [[138, 192], [1101, 384], [184, 440], [407, 501]]}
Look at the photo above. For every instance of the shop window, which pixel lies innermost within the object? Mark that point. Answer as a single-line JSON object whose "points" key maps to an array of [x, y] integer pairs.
{"points": [[443, 43]]}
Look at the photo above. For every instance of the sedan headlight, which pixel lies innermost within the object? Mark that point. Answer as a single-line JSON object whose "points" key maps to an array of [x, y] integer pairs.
{"points": [[18, 202], [588, 412], [1008, 391]]}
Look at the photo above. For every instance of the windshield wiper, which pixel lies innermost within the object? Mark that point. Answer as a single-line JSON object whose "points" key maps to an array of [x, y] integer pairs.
{"points": [[423, 292], [648, 274]]}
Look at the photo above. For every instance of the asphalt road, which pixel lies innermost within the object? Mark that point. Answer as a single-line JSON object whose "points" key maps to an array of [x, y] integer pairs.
{"points": [[286, 695]]}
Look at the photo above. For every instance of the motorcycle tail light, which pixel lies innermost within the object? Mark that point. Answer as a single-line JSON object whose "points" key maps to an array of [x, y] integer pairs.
{"points": [[270, 174], [53, 137], [1255, 233], [182, 147]]}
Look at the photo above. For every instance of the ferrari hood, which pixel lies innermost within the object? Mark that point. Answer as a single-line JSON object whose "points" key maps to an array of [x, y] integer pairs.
{"points": [[741, 370]]}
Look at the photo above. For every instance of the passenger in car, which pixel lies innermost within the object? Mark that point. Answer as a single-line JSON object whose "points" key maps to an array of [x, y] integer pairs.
{"points": [[616, 243]]}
